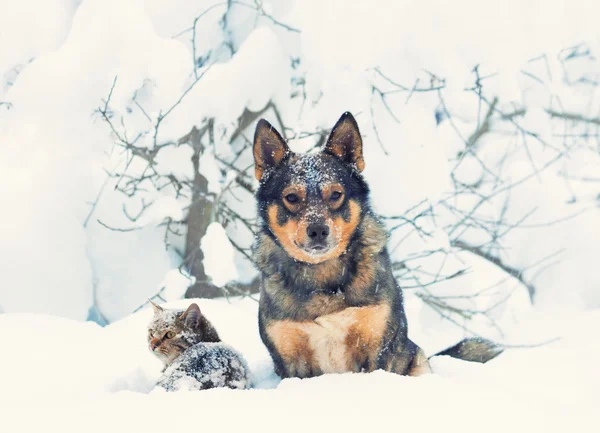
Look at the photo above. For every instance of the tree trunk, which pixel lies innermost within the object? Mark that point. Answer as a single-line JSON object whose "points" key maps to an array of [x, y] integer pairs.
{"points": [[199, 217]]}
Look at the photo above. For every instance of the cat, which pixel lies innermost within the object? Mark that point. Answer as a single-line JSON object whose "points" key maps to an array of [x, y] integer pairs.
{"points": [[193, 355]]}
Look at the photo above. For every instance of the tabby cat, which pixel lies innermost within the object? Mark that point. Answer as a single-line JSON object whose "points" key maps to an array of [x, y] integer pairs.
{"points": [[193, 354]]}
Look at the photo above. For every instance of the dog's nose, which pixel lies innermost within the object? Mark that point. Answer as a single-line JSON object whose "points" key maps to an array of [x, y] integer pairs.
{"points": [[317, 232]]}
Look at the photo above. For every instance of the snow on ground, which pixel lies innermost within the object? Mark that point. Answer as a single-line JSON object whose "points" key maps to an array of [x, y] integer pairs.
{"points": [[62, 375]]}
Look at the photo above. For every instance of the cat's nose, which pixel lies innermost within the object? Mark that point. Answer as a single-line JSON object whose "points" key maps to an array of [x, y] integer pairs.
{"points": [[154, 343]]}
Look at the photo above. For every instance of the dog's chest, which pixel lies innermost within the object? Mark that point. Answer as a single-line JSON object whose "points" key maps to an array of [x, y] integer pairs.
{"points": [[346, 341]]}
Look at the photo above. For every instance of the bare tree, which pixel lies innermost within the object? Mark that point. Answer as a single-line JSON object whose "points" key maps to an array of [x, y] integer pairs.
{"points": [[492, 187]]}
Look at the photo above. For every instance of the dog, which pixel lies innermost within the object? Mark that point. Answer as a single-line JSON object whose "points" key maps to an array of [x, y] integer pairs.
{"points": [[329, 302]]}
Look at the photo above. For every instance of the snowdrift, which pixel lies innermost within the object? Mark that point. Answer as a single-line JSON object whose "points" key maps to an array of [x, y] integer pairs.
{"points": [[62, 375]]}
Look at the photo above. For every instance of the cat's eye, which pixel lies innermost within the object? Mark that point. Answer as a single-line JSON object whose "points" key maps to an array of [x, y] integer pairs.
{"points": [[170, 334]]}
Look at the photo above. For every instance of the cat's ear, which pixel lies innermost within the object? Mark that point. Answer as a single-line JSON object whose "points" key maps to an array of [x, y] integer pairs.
{"points": [[191, 316], [157, 308]]}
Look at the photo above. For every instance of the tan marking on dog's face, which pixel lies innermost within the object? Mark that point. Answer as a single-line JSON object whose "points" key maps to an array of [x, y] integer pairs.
{"points": [[333, 195], [293, 234], [334, 343], [286, 234], [294, 197]]}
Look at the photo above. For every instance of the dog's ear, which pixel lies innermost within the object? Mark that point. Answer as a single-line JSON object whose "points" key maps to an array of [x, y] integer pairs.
{"points": [[345, 142], [269, 148]]}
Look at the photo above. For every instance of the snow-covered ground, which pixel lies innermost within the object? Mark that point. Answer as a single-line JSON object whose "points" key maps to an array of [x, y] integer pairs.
{"points": [[63, 375]]}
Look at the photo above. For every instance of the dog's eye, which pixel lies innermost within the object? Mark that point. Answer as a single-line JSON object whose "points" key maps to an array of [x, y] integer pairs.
{"points": [[335, 196], [170, 334], [292, 198]]}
